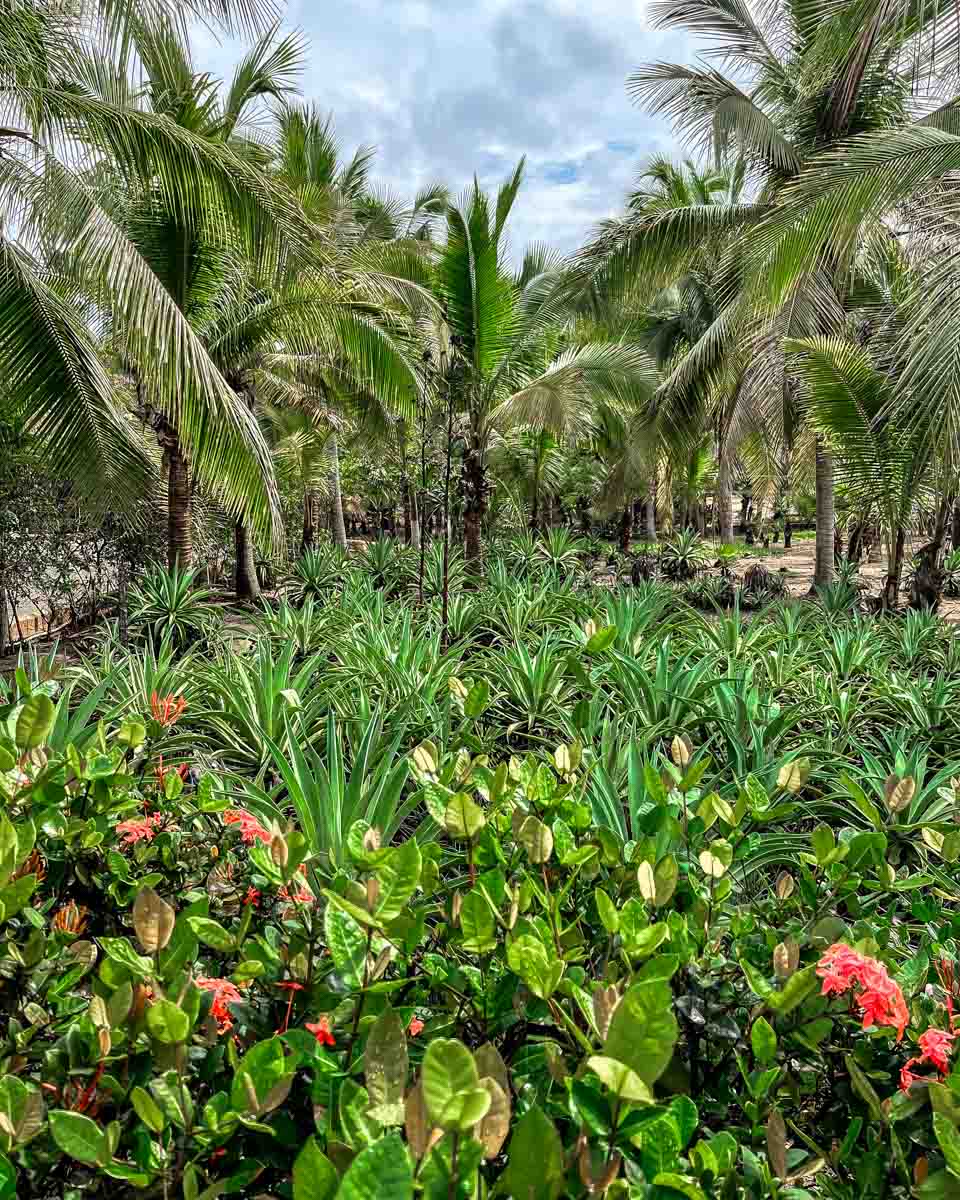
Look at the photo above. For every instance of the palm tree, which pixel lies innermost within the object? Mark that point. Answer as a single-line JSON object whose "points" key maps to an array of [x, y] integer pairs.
{"points": [[822, 115], [372, 251], [492, 365], [82, 263], [525, 462]]}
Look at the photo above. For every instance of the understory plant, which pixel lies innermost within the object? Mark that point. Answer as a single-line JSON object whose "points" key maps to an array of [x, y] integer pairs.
{"points": [[199, 999]]}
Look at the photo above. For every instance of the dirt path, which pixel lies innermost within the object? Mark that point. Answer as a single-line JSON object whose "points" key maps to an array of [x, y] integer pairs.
{"points": [[798, 564]]}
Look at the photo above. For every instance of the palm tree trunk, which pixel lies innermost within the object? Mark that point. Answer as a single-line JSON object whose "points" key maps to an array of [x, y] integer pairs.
{"points": [[651, 511], [891, 587], [725, 499], [179, 506], [626, 527], [535, 505], [337, 528], [475, 505], [414, 517], [246, 582], [309, 519], [823, 573]]}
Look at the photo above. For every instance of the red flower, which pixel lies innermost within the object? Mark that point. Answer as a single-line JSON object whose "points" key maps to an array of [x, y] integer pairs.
{"points": [[935, 1048], [139, 831], [167, 710], [321, 1031], [880, 999], [224, 993], [250, 828], [415, 1027], [252, 897], [300, 896]]}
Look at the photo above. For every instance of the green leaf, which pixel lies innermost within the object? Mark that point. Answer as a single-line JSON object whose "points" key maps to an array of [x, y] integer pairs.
{"points": [[659, 1142], [398, 877], [477, 700], [34, 721], [385, 1065], [763, 1039], [949, 1140], [347, 942], [537, 839], [212, 934], [15, 896], [77, 1136], [8, 1179], [601, 640], [540, 971], [665, 876], [798, 987], [167, 1023], [264, 1065], [643, 1031], [314, 1176], [477, 923], [451, 1085], [865, 1089], [463, 818], [619, 1078], [381, 1172], [121, 951], [147, 1110], [823, 841], [607, 911], [535, 1161]]}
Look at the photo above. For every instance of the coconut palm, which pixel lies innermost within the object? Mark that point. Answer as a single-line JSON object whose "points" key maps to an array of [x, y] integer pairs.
{"points": [[820, 105], [491, 357], [82, 266], [374, 248]]}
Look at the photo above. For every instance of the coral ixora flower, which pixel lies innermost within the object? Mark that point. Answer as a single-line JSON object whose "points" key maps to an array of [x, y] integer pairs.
{"points": [[224, 993], [250, 828], [879, 997], [321, 1031], [144, 830]]}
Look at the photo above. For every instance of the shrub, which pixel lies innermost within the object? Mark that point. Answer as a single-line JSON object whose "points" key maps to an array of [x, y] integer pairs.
{"points": [[537, 1000]]}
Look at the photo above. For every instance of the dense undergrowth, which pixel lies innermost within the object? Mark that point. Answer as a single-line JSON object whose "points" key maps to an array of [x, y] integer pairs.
{"points": [[596, 894]]}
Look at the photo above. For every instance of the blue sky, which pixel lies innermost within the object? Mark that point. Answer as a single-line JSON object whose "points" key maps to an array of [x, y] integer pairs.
{"points": [[444, 89]]}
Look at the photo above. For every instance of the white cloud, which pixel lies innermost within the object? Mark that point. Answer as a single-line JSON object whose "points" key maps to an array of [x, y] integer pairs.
{"points": [[444, 90]]}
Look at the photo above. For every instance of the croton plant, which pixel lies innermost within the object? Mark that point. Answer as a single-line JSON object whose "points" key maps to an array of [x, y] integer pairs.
{"points": [[197, 1002]]}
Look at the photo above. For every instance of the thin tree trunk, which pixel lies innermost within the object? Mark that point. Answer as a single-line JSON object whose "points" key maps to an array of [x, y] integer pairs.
{"points": [[445, 600], [309, 520], [725, 499], [535, 505], [407, 519], [955, 526], [123, 606], [891, 588], [246, 582], [475, 505], [179, 505], [337, 527], [823, 573], [940, 530], [414, 516], [626, 527]]}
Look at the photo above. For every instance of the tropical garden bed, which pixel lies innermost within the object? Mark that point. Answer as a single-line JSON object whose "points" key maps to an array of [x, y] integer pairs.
{"points": [[594, 894]]}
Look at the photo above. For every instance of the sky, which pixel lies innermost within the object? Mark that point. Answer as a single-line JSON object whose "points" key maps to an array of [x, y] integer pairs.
{"points": [[445, 90]]}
